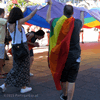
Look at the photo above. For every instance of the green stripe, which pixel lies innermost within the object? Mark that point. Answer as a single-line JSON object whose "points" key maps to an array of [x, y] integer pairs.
{"points": [[52, 26], [89, 20]]}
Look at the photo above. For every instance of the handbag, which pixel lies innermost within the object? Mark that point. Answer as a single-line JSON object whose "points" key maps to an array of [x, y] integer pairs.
{"points": [[19, 50]]}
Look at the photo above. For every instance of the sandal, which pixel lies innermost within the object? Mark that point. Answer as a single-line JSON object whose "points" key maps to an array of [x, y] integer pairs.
{"points": [[2, 77]]}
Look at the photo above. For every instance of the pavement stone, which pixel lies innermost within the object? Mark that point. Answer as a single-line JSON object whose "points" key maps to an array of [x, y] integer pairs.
{"points": [[87, 83]]}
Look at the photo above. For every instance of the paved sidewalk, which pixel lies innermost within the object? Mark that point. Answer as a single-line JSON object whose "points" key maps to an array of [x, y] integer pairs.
{"points": [[87, 84]]}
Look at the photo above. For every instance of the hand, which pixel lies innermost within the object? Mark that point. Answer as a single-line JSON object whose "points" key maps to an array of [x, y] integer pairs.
{"points": [[36, 44], [25, 9], [39, 7], [49, 2]]}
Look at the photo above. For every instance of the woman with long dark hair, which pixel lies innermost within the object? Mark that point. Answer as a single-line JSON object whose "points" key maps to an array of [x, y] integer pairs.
{"points": [[19, 74]]}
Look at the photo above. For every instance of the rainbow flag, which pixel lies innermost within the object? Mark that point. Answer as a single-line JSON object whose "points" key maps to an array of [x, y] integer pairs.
{"points": [[61, 31]]}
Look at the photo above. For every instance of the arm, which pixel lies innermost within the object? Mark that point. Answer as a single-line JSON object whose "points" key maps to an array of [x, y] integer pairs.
{"points": [[30, 43], [36, 44], [82, 17], [23, 20], [48, 17]]}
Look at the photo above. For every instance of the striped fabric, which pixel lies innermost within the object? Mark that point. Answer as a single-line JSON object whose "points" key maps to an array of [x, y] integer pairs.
{"points": [[61, 31], [91, 22]]}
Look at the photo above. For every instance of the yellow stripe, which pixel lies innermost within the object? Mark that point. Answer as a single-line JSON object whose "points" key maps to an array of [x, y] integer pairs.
{"points": [[93, 24], [57, 28]]}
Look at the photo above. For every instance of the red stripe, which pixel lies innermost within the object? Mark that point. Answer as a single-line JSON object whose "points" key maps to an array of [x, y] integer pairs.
{"points": [[63, 54], [97, 27], [86, 26], [91, 27], [28, 24]]}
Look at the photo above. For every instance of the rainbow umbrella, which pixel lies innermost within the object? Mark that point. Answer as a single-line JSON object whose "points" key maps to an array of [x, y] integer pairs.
{"points": [[92, 18], [56, 11]]}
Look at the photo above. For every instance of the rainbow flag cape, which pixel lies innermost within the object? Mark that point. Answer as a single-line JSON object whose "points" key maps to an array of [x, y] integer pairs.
{"points": [[61, 31]]}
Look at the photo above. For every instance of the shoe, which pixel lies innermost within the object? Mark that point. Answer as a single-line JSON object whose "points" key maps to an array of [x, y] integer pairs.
{"points": [[62, 97], [2, 76], [27, 89], [82, 42], [31, 74], [3, 87]]}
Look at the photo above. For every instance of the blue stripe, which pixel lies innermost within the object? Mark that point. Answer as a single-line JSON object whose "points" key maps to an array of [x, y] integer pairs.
{"points": [[37, 20]]}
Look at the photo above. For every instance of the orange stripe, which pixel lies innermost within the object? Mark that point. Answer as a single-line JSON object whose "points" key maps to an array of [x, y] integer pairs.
{"points": [[64, 30], [55, 51], [54, 58], [28, 24]]}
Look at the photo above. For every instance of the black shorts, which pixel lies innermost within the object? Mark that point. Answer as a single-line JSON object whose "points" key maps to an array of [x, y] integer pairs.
{"points": [[70, 71], [31, 53]]}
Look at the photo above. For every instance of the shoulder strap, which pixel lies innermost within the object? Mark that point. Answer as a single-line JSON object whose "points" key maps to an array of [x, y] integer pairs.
{"points": [[16, 26], [22, 35], [14, 33]]}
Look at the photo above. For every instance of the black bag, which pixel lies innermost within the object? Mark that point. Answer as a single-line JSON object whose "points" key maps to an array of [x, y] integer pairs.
{"points": [[19, 50]]}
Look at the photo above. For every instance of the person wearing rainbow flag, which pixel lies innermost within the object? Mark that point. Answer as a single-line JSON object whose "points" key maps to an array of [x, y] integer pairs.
{"points": [[64, 50]]}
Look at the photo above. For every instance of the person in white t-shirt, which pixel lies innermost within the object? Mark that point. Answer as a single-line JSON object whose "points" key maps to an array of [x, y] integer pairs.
{"points": [[2, 40]]}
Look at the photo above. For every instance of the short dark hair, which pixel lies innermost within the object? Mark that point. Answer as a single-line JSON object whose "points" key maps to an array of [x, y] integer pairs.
{"points": [[1, 11], [68, 10], [15, 14], [40, 33]]}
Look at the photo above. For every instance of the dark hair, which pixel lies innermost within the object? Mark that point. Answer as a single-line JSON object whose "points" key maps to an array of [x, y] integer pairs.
{"points": [[40, 33], [15, 14], [1, 11], [68, 10]]}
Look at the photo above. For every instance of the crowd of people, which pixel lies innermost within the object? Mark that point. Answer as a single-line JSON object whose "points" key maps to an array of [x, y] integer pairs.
{"points": [[64, 49]]}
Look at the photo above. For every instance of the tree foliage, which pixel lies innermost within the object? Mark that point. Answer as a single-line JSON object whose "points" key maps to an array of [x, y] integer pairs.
{"points": [[21, 4]]}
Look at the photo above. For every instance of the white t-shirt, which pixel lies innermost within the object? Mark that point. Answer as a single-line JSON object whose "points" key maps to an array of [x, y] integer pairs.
{"points": [[2, 30]]}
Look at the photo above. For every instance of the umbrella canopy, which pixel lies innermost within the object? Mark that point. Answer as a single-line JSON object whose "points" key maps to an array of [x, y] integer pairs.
{"points": [[36, 20], [92, 18], [57, 11]]}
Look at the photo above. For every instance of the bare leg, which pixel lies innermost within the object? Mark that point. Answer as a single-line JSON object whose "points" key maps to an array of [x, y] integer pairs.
{"points": [[23, 87], [5, 84], [68, 89], [31, 62], [1, 64], [71, 87], [64, 86]]}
